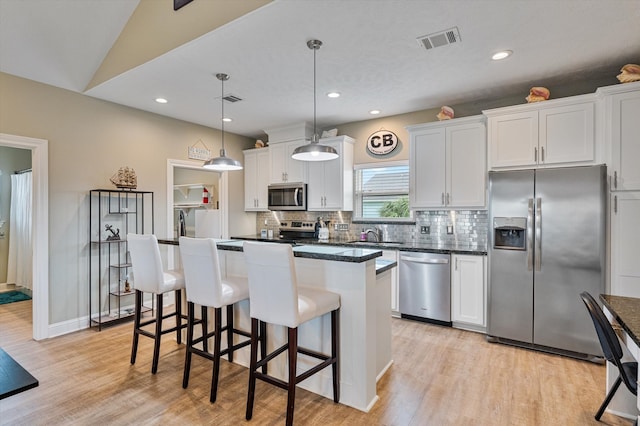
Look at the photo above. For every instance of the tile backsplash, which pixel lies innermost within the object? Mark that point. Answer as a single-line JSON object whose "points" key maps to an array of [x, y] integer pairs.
{"points": [[467, 226]]}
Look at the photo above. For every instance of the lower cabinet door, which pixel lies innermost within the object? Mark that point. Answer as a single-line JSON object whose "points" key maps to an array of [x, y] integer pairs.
{"points": [[468, 290]]}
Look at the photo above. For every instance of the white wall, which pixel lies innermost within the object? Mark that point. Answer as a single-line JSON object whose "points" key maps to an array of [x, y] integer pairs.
{"points": [[89, 140]]}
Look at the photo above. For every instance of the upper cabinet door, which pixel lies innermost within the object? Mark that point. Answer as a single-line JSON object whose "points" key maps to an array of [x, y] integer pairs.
{"points": [[427, 171], [625, 141], [513, 139], [331, 182], [567, 134], [250, 173], [466, 166], [296, 170], [262, 179], [283, 167], [277, 154], [256, 179], [447, 164], [559, 132]]}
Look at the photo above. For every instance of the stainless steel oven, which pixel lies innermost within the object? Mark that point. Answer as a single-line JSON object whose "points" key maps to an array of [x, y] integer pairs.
{"points": [[288, 196]]}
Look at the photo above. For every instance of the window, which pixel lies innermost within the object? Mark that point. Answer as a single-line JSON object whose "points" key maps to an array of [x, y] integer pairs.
{"points": [[382, 191]]}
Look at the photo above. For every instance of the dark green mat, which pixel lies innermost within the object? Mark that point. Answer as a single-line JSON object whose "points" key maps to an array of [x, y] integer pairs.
{"points": [[13, 296]]}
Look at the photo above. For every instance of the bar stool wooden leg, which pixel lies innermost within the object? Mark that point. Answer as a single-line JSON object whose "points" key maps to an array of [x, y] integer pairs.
{"points": [[252, 368], [263, 344], [179, 316], [230, 331], [217, 340], [293, 364], [187, 358], [136, 325], [158, 336], [335, 350], [205, 328]]}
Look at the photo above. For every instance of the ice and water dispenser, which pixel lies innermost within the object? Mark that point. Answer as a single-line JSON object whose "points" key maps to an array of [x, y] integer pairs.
{"points": [[509, 233]]}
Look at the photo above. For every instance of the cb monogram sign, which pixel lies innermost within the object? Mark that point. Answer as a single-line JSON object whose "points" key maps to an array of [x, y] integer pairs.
{"points": [[382, 142]]}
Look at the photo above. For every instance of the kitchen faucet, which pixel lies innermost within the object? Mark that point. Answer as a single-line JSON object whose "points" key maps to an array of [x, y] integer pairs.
{"points": [[375, 232]]}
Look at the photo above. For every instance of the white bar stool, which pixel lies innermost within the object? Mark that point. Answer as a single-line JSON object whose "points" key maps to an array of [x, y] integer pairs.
{"points": [[150, 277], [276, 298], [206, 288]]}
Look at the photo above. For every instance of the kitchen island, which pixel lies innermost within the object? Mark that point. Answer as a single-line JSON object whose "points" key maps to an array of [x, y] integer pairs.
{"points": [[364, 286], [414, 246]]}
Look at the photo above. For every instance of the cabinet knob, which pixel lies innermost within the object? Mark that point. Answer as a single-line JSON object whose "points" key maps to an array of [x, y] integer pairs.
{"points": [[535, 154], [615, 179]]}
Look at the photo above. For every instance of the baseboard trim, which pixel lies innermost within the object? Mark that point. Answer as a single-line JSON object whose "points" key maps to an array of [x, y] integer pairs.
{"points": [[68, 326]]}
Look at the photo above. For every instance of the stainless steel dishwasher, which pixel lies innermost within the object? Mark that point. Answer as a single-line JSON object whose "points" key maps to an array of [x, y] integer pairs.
{"points": [[425, 287]]}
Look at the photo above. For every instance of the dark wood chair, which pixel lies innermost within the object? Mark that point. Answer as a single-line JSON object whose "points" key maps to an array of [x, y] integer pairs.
{"points": [[276, 298], [149, 277], [206, 287], [627, 371]]}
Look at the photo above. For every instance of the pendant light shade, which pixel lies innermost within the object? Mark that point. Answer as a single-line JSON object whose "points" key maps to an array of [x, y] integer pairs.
{"points": [[314, 151], [222, 163]]}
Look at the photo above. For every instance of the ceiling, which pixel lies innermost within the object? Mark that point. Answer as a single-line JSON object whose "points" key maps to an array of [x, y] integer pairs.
{"points": [[370, 55]]}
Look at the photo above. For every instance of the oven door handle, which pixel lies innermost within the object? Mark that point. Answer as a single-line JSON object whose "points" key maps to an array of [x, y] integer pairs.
{"points": [[425, 261]]}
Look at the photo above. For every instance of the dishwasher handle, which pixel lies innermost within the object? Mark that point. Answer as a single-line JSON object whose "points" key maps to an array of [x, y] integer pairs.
{"points": [[427, 261]]}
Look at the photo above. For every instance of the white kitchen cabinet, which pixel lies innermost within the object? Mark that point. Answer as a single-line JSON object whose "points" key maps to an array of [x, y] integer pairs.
{"points": [[625, 243], [256, 179], [330, 185], [447, 164], [550, 133], [621, 122], [468, 291], [283, 167]]}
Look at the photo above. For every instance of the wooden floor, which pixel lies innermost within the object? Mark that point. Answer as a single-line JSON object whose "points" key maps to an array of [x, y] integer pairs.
{"points": [[441, 376]]}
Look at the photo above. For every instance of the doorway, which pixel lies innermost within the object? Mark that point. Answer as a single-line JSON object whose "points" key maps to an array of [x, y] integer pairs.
{"points": [[221, 197], [40, 230], [15, 221]]}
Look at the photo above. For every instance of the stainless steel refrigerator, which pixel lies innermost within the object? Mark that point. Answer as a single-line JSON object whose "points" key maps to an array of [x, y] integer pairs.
{"points": [[547, 244]]}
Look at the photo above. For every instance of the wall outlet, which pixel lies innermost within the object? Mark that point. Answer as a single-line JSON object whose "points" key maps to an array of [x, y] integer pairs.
{"points": [[425, 229], [343, 226], [449, 229], [335, 226]]}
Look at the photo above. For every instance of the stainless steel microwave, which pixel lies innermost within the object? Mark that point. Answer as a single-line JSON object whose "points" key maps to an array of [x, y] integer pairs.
{"points": [[288, 196]]}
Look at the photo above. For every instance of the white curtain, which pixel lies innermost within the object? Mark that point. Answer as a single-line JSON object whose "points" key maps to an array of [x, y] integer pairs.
{"points": [[19, 269]]}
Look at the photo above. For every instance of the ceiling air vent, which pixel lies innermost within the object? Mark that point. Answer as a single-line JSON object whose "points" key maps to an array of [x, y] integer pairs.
{"points": [[441, 38], [231, 98]]}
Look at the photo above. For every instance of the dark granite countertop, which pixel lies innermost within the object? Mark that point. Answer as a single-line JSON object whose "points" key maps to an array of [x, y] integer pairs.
{"points": [[627, 313], [315, 251], [445, 248], [383, 265]]}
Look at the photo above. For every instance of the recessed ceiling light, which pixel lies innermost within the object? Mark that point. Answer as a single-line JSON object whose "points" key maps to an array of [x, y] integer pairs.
{"points": [[374, 112], [227, 119], [333, 95], [501, 55], [161, 100]]}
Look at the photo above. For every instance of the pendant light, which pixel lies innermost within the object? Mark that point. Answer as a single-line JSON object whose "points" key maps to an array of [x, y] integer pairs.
{"points": [[222, 163], [314, 151]]}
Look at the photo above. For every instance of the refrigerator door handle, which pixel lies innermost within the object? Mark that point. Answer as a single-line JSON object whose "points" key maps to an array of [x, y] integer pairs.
{"points": [[538, 254], [530, 235]]}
